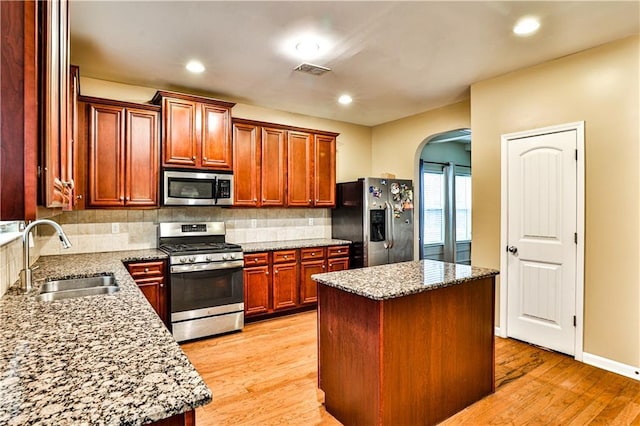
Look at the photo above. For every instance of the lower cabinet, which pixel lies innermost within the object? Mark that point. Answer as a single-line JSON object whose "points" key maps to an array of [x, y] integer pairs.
{"points": [[280, 281], [150, 277], [285, 279]]}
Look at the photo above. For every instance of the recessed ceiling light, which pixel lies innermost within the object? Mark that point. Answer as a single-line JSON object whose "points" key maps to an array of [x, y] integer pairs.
{"points": [[526, 26], [345, 99], [195, 66]]}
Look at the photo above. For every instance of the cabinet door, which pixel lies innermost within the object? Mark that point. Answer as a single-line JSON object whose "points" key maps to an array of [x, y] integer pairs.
{"points": [[308, 287], [246, 164], [325, 171], [299, 169], [154, 290], [54, 46], [216, 138], [274, 166], [142, 158], [338, 264], [256, 290], [179, 133], [106, 156], [285, 288]]}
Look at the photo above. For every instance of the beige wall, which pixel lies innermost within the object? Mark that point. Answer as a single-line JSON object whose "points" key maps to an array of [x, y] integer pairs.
{"points": [[599, 86], [353, 146], [396, 146]]}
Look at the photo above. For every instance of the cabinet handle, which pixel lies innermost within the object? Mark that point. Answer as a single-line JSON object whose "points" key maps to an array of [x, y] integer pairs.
{"points": [[275, 272], [128, 198], [79, 197], [146, 270], [309, 200], [285, 256], [255, 199], [193, 158], [204, 158], [323, 266], [266, 273], [161, 285], [313, 253], [255, 260], [121, 198]]}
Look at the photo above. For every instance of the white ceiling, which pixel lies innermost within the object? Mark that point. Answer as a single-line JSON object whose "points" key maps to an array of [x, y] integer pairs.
{"points": [[394, 58]]}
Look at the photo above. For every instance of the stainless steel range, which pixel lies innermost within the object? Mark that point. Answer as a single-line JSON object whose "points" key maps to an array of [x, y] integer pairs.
{"points": [[206, 285]]}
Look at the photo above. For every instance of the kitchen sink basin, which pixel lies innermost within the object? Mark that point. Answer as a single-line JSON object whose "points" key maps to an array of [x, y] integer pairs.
{"points": [[78, 283], [77, 287]]}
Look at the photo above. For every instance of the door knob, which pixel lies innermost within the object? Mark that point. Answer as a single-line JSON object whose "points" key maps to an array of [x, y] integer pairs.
{"points": [[512, 249]]}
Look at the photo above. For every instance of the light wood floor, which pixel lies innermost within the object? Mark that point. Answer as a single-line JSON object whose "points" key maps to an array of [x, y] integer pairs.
{"points": [[267, 375]]}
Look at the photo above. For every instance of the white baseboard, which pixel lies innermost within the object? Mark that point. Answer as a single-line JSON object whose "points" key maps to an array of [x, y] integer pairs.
{"points": [[610, 365], [498, 332]]}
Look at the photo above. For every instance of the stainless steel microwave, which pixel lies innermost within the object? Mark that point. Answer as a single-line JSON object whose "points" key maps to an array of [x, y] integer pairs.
{"points": [[182, 188]]}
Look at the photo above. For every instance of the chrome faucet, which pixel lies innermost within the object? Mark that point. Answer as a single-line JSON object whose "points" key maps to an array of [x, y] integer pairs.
{"points": [[25, 274]]}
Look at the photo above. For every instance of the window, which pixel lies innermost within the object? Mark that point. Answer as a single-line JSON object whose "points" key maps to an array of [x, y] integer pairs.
{"points": [[433, 208], [463, 208]]}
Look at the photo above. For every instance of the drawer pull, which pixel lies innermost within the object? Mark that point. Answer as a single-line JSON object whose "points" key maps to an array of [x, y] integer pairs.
{"points": [[285, 256], [146, 269]]}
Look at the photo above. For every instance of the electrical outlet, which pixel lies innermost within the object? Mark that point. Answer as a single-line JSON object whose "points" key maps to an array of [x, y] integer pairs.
{"points": [[310, 221], [254, 223], [115, 228]]}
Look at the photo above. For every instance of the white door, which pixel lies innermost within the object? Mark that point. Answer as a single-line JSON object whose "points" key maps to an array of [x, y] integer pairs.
{"points": [[541, 245]]}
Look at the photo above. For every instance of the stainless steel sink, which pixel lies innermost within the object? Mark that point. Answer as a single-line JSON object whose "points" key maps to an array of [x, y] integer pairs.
{"points": [[78, 283], [77, 287]]}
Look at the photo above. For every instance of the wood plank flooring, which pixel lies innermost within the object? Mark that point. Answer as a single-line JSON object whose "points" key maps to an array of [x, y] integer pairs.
{"points": [[267, 375]]}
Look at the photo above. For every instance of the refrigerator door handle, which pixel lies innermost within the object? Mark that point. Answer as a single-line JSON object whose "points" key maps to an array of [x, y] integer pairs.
{"points": [[388, 225]]}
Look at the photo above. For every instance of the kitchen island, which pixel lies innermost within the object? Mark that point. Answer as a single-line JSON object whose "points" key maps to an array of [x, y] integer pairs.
{"points": [[105, 359], [406, 343]]}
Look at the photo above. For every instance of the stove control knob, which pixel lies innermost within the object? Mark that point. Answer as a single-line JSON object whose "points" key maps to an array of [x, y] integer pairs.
{"points": [[183, 260], [232, 256], [192, 259], [225, 256], [208, 258]]}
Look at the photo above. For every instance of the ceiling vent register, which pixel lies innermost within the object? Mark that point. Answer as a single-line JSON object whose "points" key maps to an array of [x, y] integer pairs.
{"points": [[312, 69]]}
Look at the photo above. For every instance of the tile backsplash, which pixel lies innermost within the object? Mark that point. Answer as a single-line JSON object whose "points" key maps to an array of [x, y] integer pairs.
{"points": [[10, 263], [112, 230]]}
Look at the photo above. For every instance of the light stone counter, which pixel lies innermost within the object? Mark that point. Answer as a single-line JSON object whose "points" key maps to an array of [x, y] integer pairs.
{"points": [[401, 279], [103, 360], [291, 244]]}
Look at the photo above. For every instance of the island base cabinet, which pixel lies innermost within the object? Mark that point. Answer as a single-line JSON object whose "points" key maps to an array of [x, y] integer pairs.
{"points": [[416, 359], [184, 419]]}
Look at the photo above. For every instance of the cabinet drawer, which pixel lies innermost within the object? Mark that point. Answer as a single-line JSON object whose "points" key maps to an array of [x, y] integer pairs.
{"points": [[141, 270], [255, 259], [312, 253], [338, 251], [284, 256]]}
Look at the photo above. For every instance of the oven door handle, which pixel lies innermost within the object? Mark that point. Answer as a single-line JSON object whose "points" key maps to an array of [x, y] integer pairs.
{"points": [[213, 266]]}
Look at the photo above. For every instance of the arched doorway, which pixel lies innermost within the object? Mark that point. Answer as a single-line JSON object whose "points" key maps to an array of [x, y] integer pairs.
{"points": [[445, 197]]}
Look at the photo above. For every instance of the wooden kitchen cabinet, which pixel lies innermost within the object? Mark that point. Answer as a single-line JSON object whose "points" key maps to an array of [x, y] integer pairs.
{"points": [[151, 280], [56, 131], [257, 284], [260, 158], [337, 258], [312, 261], [196, 131], [122, 144], [311, 178], [285, 279]]}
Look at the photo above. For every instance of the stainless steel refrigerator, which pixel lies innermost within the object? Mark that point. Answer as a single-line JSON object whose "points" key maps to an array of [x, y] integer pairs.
{"points": [[377, 215]]}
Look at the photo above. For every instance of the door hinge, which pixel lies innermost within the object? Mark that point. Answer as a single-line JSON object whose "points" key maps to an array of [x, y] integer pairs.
{"points": [[575, 237], [576, 154], [39, 172], [574, 321]]}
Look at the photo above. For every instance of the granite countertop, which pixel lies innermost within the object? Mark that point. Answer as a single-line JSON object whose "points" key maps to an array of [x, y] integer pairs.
{"points": [[401, 279], [105, 360], [292, 244]]}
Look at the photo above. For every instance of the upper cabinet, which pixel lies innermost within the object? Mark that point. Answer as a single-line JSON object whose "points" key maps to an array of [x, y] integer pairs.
{"points": [[122, 151], [277, 165], [196, 131], [36, 109], [56, 130], [312, 169], [260, 158]]}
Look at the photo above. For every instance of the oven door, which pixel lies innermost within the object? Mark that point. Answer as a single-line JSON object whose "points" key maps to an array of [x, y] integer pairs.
{"points": [[197, 294]]}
